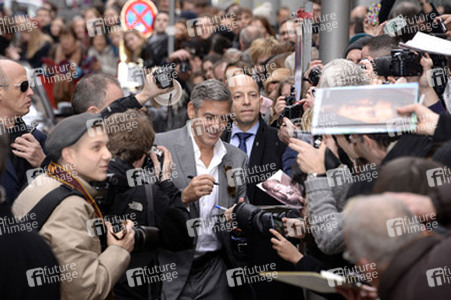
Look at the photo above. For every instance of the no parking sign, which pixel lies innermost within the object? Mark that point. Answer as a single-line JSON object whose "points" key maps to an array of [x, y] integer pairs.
{"points": [[139, 14]]}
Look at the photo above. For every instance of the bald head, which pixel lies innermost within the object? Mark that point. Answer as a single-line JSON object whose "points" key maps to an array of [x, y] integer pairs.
{"points": [[237, 80], [376, 227], [7, 69], [246, 100], [14, 102]]}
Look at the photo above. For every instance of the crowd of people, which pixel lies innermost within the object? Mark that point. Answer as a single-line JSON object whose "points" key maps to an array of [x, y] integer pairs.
{"points": [[128, 198]]}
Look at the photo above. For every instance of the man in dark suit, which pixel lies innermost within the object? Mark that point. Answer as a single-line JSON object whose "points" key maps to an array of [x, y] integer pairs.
{"points": [[252, 135], [202, 162], [21, 250], [26, 146], [264, 149]]}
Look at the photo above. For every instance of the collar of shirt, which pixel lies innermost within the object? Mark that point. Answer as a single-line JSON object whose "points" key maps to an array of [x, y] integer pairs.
{"points": [[252, 130], [219, 150]]}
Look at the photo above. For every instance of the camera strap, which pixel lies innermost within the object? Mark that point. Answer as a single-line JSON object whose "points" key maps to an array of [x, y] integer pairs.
{"points": [[150, 205], [155, 288], [47, 205]]}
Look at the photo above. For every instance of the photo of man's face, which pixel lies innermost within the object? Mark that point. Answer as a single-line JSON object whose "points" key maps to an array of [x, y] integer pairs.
{"points": [[282, 190], [361, 109]]}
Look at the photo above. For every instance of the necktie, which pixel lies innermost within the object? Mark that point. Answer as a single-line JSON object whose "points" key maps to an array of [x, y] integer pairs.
{"points": [[243, 136]]}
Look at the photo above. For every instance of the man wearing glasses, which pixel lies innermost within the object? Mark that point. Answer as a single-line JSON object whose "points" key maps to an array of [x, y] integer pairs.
{"points": [[26, 143]]}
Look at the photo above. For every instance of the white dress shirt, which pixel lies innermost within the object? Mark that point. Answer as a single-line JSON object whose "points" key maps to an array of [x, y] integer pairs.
{"points": [[207, 241], [235, 141]]}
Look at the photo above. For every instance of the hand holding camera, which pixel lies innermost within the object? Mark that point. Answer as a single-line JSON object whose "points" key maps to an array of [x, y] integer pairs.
{"points": [[158, 81], [162, 162], [293, 109], [124, 238], [285, 248], [309, 159]]}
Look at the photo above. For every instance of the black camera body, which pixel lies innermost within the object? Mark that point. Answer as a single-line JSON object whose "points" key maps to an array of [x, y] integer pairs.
{"points": [[314, 75], [401, 63], [163, 77], [185, 66], [146, 237], [292, 110], [148, 163]]}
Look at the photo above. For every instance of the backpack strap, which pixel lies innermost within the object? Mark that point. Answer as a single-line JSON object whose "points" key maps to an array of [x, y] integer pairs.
{"points": [[150, 205], [47, 205]]}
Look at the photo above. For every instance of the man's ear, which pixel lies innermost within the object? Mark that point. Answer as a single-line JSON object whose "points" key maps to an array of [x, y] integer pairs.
{"points": [[67, 154], [93, 109], [191, 112]]}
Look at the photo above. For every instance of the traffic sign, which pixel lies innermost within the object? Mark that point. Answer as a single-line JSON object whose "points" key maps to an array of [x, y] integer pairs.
{"points": [[139, 14]]}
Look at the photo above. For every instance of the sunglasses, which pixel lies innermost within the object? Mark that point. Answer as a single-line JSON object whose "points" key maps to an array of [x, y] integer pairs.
{"points": [[24, 85]]}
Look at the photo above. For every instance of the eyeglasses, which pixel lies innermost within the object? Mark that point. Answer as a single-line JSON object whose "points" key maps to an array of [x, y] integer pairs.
{"points": [[24, 85]]}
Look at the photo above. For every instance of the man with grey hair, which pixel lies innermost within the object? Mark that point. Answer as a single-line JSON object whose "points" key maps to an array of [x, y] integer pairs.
{"points": [[382, 230], [203, 164], [342, 72], [247, 36]]}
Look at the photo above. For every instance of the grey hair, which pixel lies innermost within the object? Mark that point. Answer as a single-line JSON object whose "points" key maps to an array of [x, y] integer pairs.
{"points": [[91, 91], [249, 34], [211, 90], [366, 228], [342, 72]]}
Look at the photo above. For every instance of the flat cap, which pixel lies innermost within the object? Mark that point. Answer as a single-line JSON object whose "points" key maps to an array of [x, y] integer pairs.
{"points": [[68, 131]]}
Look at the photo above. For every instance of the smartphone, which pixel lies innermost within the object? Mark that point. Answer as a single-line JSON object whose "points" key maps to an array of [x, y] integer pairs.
{"points": [[373, 13], [442, 25], [394, 26], [303, 136], [277, 225]]}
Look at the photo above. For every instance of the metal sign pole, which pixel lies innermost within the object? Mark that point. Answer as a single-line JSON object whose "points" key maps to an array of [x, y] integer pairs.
{"points": [[171, 33]]}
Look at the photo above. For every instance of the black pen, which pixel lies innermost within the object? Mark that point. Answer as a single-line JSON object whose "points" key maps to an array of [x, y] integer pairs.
{"points": [[191, 177], [33, 129]]}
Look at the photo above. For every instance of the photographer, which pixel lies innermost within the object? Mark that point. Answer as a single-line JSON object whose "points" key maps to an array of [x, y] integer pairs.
{"points": [[64, 204], [148, 199]]}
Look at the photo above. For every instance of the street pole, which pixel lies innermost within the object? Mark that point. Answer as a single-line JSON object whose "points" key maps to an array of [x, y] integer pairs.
{"points": [[333, 43]]}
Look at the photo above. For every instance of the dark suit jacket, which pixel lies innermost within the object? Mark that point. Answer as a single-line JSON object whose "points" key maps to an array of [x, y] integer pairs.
{"points": [[21, 251], [266, 158], [14, 178], [180, 145], [267, 151]]}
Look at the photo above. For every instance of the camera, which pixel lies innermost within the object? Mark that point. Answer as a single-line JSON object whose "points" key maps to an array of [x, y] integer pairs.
{"points": [[148, 163], [185, 66], [308, 137], [292, 110], [314, 75], [163, 77], [146, 237], [401, 63]]}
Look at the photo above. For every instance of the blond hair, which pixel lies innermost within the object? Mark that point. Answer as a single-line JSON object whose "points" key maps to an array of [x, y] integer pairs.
{"points": [[262, 47]]}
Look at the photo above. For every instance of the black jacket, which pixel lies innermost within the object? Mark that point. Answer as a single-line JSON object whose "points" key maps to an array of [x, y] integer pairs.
{"points": [[14, 179], [132, 202], [21, 251], [266, 158]]}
